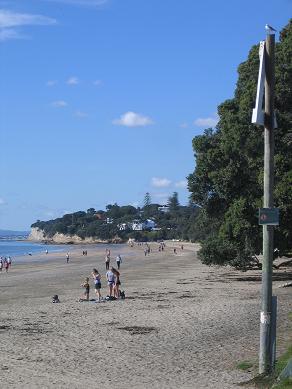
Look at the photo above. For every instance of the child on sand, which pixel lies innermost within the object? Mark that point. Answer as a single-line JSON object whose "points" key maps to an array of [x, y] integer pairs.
{"points": [[85, 285]]}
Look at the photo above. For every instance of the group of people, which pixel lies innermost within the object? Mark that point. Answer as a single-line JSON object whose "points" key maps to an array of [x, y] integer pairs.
{"points": [[5, 262], [108, 259], [113, 282]]}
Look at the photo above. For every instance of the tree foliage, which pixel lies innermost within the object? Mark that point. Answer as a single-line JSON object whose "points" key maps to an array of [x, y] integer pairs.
{"points": [[228, 179]]}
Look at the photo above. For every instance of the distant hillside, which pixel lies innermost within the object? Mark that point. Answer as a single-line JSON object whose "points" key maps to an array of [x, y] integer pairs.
{"points": [[9, 233], [152, 222]]}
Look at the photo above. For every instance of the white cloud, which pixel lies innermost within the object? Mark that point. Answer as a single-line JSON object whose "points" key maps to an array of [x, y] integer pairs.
{"points": [[132, 119], [160, 182], [73, 81], [59, 104], [181, 184], [86, 3], [11, 21], [52, 83], [80, 114], [206, 122]]}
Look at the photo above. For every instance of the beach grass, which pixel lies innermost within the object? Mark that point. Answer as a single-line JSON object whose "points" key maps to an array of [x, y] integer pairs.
{"points": [[245, 365]]}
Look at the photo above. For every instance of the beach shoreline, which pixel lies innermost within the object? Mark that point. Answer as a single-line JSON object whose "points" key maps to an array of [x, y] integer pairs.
{"points": [[182, 324]]}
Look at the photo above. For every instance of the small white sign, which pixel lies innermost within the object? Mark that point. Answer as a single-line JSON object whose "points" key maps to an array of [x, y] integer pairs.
{"points": [[265, 317]]}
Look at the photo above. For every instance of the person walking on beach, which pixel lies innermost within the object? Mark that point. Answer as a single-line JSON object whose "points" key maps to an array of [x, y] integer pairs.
{"points": [[107, 261], [110, 281], [1, 264], [117, 282], [67, 257], [85, 285], [119, 261], [9, 261], [97, 283]]}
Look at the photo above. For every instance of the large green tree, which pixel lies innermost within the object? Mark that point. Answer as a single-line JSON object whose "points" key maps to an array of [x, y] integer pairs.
{"points": [[228, 179]]}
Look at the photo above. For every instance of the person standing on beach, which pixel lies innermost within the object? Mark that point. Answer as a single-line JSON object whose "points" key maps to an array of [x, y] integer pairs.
{"points": [[6, 265], [119, 261], [117, 282], [67, 257], [97, 283], [110, 281], [107, 261], [1, 264], [9, 261]]}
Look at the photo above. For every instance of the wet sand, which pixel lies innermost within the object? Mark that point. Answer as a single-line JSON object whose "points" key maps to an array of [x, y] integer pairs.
{"points": [[182, 324]]}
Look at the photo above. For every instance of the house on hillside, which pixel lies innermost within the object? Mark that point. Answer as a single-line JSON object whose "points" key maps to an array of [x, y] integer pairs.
{"points": [[163, 208]]}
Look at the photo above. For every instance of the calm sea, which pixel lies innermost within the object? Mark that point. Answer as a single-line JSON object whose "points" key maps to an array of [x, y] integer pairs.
{"points": [[16, 248]]}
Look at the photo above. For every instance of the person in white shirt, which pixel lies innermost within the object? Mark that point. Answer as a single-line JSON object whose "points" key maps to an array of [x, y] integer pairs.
{"points": [[119, 261]]}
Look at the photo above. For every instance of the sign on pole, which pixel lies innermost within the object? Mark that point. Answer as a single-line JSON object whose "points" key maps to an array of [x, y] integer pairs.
{"points": [[269, 216]]}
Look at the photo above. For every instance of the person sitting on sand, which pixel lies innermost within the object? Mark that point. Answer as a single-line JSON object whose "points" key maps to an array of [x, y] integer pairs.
{"points": [[85, 285], [97, 283], [117, 282], [110, 281]]}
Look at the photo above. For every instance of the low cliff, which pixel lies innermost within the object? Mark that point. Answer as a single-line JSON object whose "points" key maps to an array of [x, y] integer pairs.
{"points": [[37, 235]]}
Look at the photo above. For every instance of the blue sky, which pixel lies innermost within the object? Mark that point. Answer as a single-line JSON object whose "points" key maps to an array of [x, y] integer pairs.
{"points": [[100, 100]]}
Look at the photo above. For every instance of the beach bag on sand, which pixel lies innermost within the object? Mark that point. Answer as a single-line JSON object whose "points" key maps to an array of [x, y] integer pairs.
{"points": [[56, 299]]}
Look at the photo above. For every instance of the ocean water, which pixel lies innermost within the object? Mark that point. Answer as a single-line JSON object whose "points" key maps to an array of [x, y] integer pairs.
{"points": [[16, 248]]}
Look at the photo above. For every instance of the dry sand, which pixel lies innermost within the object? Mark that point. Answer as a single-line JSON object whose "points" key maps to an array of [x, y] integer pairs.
{"points": [[182, 324]]}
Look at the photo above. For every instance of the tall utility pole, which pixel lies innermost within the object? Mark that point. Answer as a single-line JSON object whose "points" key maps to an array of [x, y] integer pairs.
{"points": [[265, 364]]}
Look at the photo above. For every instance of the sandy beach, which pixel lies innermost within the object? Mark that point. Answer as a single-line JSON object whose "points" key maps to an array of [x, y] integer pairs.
{"points": [[182, 324]]}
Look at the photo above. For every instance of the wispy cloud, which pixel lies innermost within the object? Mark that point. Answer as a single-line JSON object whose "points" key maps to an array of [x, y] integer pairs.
{"points": [[81, 114], [97, 82], [206, 122], [184, 125], [181, 184], [160, 182], [2, 201], [85, 3], [132, 119], [51, 83], [11, 22], [73, 81], [59, 104], [162, 198]]}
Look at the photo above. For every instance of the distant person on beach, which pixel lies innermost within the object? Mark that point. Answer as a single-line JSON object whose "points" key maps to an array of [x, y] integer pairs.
{"points": [[9, 261], [47, 251], [145, 252], [107, 261], [85, 285], [182, 247], [119, 261], [6, 265], [174, 251], [1, 264], [117, 282], [67, 257], [110, 281], [97, 283]]}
